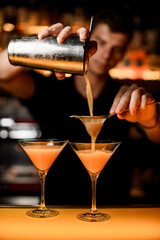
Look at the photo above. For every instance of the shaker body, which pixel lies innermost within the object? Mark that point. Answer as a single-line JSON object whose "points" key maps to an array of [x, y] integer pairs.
{"points": [[48, 54]]}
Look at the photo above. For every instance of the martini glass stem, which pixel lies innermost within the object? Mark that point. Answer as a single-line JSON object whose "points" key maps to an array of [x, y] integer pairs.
{"points": [[94, 183], [42, 175]]}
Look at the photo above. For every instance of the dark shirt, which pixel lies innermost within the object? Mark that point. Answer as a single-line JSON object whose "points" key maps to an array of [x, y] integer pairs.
{"points": [[55, 101], [68, 182]]}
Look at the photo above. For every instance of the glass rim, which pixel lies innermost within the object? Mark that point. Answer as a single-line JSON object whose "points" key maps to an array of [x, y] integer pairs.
{"points": [[89, 117], [42, 140], [97, 142]]}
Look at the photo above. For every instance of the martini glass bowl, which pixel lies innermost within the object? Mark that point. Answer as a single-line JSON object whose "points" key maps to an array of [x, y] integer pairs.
{"points": [[42, 153], [94, 161]]}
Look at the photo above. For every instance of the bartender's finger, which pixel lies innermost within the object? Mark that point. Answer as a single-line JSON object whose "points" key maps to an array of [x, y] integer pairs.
{"points": [[65, 33], [117, 99], [125, 99], [54, 30], [146, 98], [136, 99], [83, 33], [60, 76]]}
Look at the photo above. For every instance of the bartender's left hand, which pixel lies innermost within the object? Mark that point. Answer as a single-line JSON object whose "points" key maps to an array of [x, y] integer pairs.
{"points": [[135, 99], [62, 34]]}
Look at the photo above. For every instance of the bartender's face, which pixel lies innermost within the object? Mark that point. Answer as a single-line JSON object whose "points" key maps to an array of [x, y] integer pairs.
{"points": [[111, 47]]}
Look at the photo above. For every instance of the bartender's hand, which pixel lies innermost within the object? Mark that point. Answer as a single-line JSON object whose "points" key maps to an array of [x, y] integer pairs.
{"points": [[62, 34], [135, 99]]}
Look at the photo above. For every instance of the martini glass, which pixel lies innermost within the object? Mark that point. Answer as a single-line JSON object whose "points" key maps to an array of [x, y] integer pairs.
{"points": [[94, 161], [42, 153]]}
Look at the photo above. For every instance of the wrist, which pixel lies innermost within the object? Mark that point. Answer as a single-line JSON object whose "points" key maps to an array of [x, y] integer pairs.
{"points": [[150, 125]]}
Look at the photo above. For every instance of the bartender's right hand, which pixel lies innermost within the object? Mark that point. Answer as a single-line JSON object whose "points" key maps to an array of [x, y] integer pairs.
{"points": [[62, 34]]}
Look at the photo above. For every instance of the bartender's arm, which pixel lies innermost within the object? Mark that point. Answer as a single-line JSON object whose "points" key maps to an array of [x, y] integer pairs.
{"points": [[14, 79]]}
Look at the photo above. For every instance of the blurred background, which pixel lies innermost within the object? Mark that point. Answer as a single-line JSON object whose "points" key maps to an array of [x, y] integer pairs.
{"points": [[19, 182]]}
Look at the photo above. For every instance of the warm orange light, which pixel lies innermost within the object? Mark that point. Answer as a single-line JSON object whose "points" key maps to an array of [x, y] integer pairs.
{"points": [[151, 75], [129, 73], [67, 75], [134, 66], [121, 73], [46, 73], [8, 27], [124, 224], [35, 29]]}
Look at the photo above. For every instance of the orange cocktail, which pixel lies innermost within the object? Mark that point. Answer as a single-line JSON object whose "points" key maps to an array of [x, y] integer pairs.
{"points": [[42, 156], [94, 161]]}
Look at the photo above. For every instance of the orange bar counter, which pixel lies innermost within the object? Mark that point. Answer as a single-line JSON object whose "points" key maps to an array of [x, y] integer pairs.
{"points": [[141, 223]]}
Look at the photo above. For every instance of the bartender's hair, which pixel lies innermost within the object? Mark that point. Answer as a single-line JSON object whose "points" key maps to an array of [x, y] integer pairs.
{"points": [[117, 17]]}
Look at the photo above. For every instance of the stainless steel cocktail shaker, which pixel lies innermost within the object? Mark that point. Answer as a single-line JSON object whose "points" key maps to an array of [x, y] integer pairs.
{"points": [[48, 54]]}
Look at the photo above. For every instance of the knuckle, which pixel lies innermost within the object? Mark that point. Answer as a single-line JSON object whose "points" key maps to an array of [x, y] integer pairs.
{"points": [[134, 85], [125, 96], [68, 29], [150, 97], [136, 91], [142, 89], [139, 90], [55, 27], [83, 30], [60, 25], [124, 88]]}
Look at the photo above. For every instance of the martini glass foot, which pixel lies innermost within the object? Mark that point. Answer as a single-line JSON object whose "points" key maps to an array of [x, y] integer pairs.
{"points": [[42, 213], [93, 216]]}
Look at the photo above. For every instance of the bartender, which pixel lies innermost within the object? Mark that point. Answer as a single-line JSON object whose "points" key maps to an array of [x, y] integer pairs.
{"points": [[51, 102]]}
